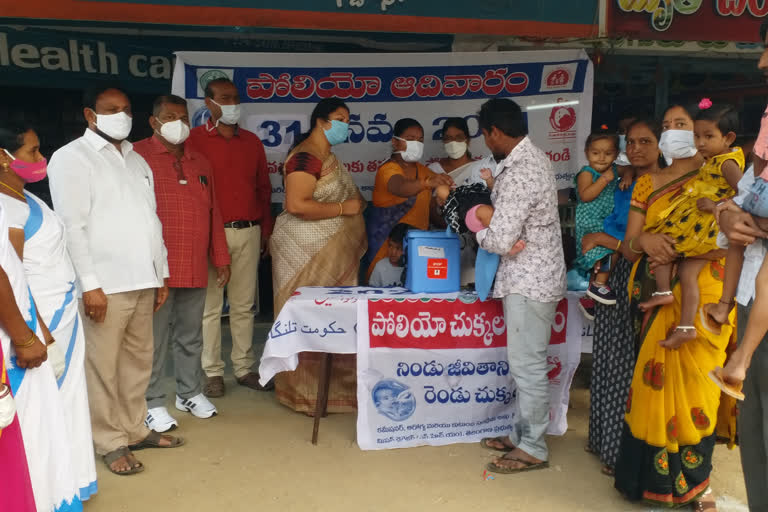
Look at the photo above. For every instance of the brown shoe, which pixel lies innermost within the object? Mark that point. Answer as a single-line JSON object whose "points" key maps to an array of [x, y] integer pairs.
{"points": [[214, 387], [251, 380]]}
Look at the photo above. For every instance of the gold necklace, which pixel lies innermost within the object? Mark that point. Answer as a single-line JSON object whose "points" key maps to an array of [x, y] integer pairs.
{"points": [[13, 190]]}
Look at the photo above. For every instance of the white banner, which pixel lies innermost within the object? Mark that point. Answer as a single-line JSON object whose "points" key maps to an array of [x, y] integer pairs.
{"points": [[435, 372], [279, 91]]}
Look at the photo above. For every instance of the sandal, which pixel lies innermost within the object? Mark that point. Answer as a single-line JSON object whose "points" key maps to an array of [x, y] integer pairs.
{"points": [[153, 441], [527, 466], [705, 502], [484, 443], [122, 452], [726, 388]]}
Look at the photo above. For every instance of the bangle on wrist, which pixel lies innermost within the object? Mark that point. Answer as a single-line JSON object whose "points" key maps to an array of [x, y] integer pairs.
{"points": [[618, 246], [50, 342], [341, 209], [727, 303], [633, 249], [5, 391], [27, 343]]}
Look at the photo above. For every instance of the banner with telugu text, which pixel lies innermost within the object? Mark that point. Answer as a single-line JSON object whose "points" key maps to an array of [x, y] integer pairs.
{"points": [[279, 91], [436, 371]]}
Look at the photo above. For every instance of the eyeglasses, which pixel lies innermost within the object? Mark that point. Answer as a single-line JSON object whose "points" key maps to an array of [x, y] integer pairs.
{"points": [[180, 172]]}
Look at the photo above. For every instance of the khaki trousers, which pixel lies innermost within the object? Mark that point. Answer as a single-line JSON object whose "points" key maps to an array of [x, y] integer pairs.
{"points": [[118, 364], [245, 250]]}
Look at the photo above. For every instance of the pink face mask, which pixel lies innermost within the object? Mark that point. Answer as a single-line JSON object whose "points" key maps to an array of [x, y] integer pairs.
{"points": [[30, 172]]}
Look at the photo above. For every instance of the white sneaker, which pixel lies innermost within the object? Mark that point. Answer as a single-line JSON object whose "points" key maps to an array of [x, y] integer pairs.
{"points": [[159, 420], [199, 406]]}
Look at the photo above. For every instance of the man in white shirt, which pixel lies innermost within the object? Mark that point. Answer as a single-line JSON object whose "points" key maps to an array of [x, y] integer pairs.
{"points": [[530, 283], [104, 193]]}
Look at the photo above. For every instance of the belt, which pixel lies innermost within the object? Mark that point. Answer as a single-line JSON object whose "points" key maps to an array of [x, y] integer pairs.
{"points": [[241, 224]]}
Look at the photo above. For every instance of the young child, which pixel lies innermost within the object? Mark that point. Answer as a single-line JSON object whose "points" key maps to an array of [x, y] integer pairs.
{"points": [[389, 271], [690, 219], [469, 207], [596, 185]]}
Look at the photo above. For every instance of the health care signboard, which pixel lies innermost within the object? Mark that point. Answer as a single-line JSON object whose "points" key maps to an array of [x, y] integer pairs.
{"points": [[279, 91], [688, 20]]}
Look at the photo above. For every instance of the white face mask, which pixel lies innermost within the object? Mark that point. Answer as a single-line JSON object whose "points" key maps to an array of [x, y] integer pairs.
{"points": [[455, 150], [175, 132], [677, 144], [414, 150], [230, 114], [117, 126]]}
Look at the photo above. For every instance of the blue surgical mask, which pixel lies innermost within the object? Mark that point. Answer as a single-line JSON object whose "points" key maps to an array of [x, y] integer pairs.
{"points": [[337, 133]]}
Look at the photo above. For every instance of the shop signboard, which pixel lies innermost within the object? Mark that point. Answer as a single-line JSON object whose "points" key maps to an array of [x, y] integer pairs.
{"points": [[543, 18], [687, 20], [47, 57]]}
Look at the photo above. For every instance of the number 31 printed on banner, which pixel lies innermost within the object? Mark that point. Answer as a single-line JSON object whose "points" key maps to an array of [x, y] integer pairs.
{"points": [[279, 133]]}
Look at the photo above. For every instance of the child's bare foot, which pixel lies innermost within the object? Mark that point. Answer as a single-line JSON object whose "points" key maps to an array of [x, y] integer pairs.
{"points": [[680, 335], [657, 299], [718, 313], [519, 246]]}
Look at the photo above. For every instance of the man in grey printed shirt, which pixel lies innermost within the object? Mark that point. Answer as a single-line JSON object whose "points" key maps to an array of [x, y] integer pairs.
{"points": [[530, 283]]}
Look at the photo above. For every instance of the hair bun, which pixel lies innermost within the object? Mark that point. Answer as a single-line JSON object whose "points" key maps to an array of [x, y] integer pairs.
{"points": [[705, 103]]}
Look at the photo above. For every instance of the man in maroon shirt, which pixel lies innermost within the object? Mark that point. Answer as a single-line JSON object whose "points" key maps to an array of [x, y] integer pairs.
{"points": [[194, 234], [243, 192]]}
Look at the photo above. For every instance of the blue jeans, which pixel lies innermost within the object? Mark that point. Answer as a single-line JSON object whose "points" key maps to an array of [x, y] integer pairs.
{"points": [[529, 326]]}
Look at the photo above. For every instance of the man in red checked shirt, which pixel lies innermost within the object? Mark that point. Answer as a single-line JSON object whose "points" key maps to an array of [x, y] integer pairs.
{"points": [[243, 192], [194, 235]]}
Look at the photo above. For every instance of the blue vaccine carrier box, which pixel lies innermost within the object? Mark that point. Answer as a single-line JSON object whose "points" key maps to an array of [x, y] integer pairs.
{"points": [[433, 261]]}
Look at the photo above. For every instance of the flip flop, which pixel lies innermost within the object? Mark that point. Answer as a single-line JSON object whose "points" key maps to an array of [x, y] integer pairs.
{"points": [[527, 466], [707, 321], [484, 443], [116, 454], [726, 388], [153, 441]]}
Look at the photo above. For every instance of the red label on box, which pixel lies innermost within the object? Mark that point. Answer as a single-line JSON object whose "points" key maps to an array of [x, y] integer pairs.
{"points": [[437, 268]]}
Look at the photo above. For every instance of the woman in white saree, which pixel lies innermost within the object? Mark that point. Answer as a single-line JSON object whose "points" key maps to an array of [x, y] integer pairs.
{"points": [[38, 237]]}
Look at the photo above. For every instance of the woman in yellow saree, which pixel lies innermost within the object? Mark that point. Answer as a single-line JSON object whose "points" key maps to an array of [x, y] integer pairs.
{"points": [[318, 241], [672, 408]]}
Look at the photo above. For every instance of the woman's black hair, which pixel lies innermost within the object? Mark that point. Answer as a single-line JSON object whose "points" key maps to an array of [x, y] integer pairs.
{"points": [[691, 108], [322, 110], [404, 124], [457, 122], [724, 115], [655, 127], [12, 136]]}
